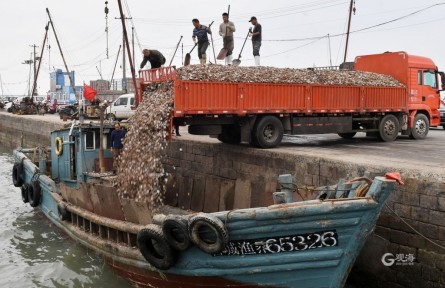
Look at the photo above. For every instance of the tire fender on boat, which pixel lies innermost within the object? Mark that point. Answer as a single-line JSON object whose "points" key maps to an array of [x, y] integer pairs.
{"points": [[208, 233], [17, 174], [24, 190], [155, 248], [58, 146], [63, 212], [175, 231], [34, 193]]}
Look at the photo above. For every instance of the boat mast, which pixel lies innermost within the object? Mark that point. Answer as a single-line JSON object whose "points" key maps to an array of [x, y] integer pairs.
{"points": [[66, 67], [36, 73], [127, 45]]}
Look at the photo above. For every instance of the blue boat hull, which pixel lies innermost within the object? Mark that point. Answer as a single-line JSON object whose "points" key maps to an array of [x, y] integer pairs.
{"points": [[302, 244]]}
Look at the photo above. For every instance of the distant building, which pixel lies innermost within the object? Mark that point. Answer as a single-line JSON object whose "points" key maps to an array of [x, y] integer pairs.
{"points": [[60, 88]]}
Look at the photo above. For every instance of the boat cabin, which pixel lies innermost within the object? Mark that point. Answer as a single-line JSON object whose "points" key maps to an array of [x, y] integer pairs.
{"points": [[75, 152]]}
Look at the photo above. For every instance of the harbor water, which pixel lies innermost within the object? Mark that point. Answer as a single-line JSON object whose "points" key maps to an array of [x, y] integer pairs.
{"points": [[34, 252]]}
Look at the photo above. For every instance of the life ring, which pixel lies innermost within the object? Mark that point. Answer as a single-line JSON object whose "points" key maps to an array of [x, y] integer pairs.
{"points": [[208, 233], [175, 232], [63, 212], [161, 257], [17, 174], [58, 146], [24, 191], [34, 193]]}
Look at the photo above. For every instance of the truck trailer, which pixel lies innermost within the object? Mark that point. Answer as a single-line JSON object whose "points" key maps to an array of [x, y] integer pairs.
{"points": [[261, 113]]}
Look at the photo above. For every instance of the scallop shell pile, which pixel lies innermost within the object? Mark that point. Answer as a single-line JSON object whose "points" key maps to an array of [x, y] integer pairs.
{"points": [[284, 75], [140, 174]]}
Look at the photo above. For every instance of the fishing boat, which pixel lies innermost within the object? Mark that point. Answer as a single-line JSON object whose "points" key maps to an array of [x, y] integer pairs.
{"points": [[311, 243]]}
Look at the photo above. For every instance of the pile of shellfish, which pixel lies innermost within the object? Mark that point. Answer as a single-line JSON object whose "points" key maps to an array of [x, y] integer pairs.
{"points": [[140, 173], [264, 74]]}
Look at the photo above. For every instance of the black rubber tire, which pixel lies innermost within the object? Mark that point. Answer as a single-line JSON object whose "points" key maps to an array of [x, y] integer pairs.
{"points": [[34, 193], [175, 231], [155, 248], [421, 127], [64, 215], [267, 132], [389, 128], [208, 233], [349, 135], [111, 117], [205, 129], [24, 190], [231, 134], [17, 174]]}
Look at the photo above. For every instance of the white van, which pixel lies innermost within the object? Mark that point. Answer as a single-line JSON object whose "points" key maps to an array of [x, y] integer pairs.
{"points": [[122, 108]]}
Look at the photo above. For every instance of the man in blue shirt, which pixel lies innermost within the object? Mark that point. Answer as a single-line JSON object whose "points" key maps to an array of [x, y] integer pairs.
{"points": [[116, 143], [200, 36]]}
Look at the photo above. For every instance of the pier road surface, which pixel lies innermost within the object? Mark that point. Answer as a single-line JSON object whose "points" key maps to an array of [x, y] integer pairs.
{"points": [[426, 156]]}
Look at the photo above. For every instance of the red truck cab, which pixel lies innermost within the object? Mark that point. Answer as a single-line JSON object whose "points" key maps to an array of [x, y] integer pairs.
{"points": [[418, 74]]}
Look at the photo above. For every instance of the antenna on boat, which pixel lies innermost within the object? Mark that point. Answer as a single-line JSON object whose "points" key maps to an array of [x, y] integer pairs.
{"points": [[66, 68], [72, 127], [106, 23]]}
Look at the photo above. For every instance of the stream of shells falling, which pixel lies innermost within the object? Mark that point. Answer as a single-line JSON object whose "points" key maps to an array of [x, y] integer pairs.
{"points": [[141, 175]]}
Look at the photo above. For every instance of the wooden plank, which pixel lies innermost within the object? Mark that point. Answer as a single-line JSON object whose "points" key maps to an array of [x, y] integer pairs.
{"points": [[79, 197], [211, 199], [243, 193], [171, 193], [185, 192], [106, 201], [136, 212], [198, 194], [226, 195]]}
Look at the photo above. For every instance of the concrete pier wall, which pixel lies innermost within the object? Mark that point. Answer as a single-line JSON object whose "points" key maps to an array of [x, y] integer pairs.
{"points": [[243, 176]]}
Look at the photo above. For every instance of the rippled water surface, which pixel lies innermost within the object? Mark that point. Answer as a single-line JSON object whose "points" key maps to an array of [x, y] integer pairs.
{"points": [[34, 253]]}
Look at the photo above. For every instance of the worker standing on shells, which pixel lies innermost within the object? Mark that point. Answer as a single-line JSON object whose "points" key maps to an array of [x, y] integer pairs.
{"points": [[200, 36], [155, 58], [256, 39], [226, 30], [117, 135]]}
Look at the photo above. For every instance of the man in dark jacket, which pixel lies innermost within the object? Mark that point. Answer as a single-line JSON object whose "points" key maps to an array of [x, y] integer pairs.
{"points": [[256, 39], [117, 135], [155, 58]]}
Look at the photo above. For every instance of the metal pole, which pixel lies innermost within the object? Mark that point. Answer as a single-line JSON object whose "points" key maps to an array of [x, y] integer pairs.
{"points": [[115, 64], [177, 46], [34, 86], [138, 97], [132, 43], [330, 56], [66, 67], [349, 27], [34, 62]]}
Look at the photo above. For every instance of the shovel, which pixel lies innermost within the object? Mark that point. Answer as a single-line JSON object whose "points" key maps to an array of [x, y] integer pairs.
{"points": [[236, 62], [222, 54], [187, 56]]}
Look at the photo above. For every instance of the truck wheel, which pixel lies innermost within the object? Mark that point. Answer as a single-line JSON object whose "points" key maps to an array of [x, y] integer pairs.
{"points": [[347, 135], [230, 134], [268, 132], [389, 128], [421, 127], [111, 117]]}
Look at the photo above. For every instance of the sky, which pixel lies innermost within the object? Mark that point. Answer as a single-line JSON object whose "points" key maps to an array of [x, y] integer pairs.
{"points": [[295, 33]]}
